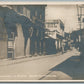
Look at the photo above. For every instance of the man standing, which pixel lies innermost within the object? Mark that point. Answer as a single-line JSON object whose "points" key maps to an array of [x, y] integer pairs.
{"points": [[63, 45]]}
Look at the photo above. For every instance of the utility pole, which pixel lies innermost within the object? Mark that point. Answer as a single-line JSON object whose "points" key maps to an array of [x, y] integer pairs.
{"points": [[80, 15]]}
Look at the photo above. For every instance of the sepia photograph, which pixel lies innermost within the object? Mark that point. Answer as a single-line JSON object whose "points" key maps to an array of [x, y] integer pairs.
{"points": [[40, 42]]}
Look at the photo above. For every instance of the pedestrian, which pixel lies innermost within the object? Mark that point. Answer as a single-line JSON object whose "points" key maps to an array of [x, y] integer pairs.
{"points": [[63, 45]]}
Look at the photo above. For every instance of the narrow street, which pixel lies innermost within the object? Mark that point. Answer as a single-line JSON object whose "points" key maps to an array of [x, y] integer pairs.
{"points": [[52, 67]]}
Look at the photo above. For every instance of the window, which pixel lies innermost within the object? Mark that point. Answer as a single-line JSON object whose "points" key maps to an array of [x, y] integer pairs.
{"points": [[28, 13], [55, 25], [24, 11], [35, 13], [33, 18], [15, 8], [11, 35], [40, 16]]}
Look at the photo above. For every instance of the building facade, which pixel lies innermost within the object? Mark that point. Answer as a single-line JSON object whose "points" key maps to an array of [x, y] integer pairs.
{"points": [[23, 30], [54, 34], [36, 14], [76, 38], [3, 39]]}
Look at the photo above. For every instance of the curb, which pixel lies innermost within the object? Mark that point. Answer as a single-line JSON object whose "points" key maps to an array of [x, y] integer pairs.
{"points": [[6, 62]]}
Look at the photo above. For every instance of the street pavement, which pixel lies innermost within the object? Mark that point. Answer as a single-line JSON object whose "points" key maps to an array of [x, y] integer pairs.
{"points": [[52, 67]]}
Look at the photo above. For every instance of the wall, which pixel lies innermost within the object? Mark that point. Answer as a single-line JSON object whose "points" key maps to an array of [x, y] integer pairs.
{"points": [[3, 40], [17, 20], [19, 41], [21, 31]]}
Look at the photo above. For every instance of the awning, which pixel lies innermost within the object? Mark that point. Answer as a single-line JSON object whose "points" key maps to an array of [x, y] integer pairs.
{"points": [[60, 37]]}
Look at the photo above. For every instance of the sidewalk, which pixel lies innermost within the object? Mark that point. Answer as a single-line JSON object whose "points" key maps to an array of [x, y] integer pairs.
{"points": [[5, 62], [49, 67]]}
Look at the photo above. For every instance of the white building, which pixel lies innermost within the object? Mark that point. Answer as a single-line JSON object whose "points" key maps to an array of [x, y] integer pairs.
{"points": [[54, 29]]}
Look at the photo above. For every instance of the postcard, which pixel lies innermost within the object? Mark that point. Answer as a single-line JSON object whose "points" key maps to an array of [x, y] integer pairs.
{"points": [[42, 41]]}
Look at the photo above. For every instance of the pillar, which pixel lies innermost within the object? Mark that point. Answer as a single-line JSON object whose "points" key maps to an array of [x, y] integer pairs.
{"points": [[19, 42], [40, 47], [35, 47], [59, 44], [44, 47], [27, 52]]}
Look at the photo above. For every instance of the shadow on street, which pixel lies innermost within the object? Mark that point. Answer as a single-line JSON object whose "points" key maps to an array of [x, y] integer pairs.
{"points": [[71, 67]]}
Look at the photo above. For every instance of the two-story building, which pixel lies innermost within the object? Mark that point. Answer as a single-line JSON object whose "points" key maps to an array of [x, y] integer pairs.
{"points": [[54, 34], [24, 29], [36, 15]]}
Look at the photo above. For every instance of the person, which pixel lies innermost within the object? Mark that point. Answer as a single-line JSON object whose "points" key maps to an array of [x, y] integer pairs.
{"points": [[63, 45], [31, 32]]}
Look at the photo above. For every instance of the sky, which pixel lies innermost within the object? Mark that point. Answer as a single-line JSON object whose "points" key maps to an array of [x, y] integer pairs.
{"points": [[66, 13]]}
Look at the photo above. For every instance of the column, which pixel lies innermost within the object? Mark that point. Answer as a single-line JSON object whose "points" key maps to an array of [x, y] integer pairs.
{"points": [[35, 47], [59, 44], [44, 47], [28, 48], [19, 42], [40, 47]]}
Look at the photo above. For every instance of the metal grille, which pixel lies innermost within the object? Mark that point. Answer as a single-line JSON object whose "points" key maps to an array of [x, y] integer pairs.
{"points": [[11, 46]]}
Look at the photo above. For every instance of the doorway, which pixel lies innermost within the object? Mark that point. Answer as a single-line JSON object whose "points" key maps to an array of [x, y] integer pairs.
{"points": [[11, 46]]}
